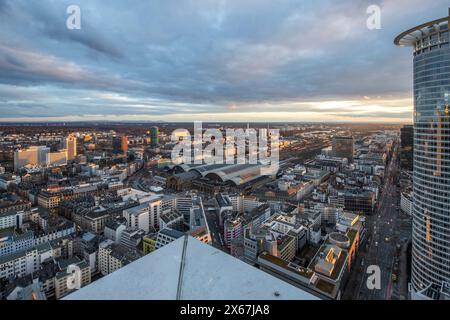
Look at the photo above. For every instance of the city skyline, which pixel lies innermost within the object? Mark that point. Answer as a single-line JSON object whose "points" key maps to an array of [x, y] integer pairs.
{"points": [[208, 60]]}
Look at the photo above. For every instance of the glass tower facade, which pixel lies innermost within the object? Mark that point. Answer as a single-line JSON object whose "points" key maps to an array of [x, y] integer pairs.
{"points": [[154, 132], [431, 203]]}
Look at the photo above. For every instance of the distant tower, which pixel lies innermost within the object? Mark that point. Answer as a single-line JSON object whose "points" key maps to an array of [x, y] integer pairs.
{"points": [[117, 145], [154, 133], [124, 144], [71, 146]]}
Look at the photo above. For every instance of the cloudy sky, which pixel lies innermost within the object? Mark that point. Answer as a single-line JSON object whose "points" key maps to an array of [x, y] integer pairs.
{"points": [[209, 60]]}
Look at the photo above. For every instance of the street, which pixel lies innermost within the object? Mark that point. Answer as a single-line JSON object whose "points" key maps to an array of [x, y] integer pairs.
{"points": [[214, 228], [388, 231]]}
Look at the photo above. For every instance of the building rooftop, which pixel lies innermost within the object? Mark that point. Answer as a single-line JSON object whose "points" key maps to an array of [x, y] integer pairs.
{"points": [[137, 210], [411, 36], [171, 216], [172, 272], [172, 233]]}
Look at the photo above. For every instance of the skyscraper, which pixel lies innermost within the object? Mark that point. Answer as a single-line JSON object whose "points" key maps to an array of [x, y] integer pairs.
{"points": [[71, 146], [431, 209], [120, 144], [117, 144], [124, 145], [154, 132]]}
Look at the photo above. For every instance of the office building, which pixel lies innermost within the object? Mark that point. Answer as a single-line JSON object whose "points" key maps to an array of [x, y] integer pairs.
{"points": [[362, 201], [57, 158], [117, 145], [124, 145], [24, 262], [36, 155], [154, 139], [232, 230], [71, 147], [431, 174], [62, 277], [166, 236], [112, 257], [11, 219], [114, 229], [138, 217], [11, 241], [149, 243], [131, 238]]}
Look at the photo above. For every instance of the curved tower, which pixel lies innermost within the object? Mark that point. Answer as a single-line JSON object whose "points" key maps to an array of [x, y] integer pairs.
{"points": [[431, 209]]}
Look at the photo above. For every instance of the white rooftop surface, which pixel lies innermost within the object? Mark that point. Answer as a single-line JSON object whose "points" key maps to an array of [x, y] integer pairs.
{"points": [[208, 273]]}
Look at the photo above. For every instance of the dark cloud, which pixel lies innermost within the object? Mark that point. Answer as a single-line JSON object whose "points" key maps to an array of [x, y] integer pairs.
{"points": [[170, 57]]}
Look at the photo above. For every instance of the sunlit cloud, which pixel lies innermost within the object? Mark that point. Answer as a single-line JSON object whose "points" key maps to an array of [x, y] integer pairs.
{"points": [[249, 60]]}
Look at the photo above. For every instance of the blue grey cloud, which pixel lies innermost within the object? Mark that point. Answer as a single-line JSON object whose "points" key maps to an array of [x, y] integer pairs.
{"points": [[172, 57]]}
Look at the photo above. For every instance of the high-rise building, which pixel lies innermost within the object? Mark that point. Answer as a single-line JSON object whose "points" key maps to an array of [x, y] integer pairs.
{"points": [[343, 147], [124, 144], [71, 146], [36, 155], [117, 144], [431, 210], [57, 158], [120, 144], [406, 147], [154, 132], [138, 217]]}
